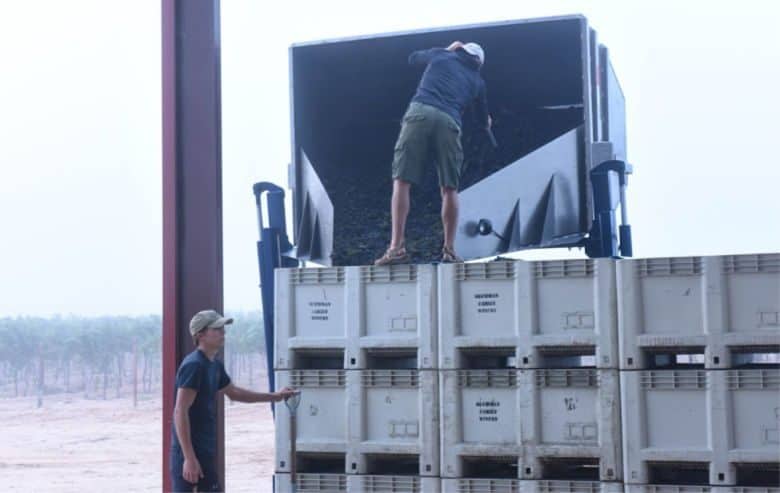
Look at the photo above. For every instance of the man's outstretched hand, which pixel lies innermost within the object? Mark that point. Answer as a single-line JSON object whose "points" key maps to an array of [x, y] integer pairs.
{"points": [[285, 393]]}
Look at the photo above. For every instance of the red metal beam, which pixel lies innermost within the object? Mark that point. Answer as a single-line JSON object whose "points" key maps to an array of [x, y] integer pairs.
{"points": [[192, 190]]}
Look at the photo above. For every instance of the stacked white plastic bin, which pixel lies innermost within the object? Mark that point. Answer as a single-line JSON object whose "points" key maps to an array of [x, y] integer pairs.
{"points": [[360, 342], [699, 378], [576, 376], [529, 378]]}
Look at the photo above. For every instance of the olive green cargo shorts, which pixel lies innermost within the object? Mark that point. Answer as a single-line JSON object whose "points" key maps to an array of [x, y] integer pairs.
{"points": [[428, 134]]}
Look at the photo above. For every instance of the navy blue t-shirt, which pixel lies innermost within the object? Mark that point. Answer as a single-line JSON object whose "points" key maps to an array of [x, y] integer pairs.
{"points": [[451, 82], [207, 378]]}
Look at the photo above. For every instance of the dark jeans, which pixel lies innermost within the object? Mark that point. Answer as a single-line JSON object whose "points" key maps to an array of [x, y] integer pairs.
{"points": [[209, 481]]}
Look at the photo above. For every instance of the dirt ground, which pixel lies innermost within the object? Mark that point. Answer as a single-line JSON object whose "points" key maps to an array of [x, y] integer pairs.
{"points": [[77, 445]]}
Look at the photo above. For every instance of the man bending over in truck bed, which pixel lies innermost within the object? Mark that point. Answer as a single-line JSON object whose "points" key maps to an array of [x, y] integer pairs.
{"points": [[431, 130]]}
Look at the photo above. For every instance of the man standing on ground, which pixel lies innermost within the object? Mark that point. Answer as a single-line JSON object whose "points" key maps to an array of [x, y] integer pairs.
{"points": [[431, 130], [198, 379]]}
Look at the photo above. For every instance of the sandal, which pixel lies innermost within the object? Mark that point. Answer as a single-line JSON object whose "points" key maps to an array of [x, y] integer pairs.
{"points": [[393, 256], [448, 256]]}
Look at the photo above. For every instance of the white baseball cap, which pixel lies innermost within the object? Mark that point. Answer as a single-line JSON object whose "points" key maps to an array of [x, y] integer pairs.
{"points": [[475, 50]]}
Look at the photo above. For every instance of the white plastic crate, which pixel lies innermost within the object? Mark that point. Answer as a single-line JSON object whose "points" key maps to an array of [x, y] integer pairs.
{"points": [[362, 413], [394, 412], [311, 482], [571, 413], [356, 309], [397, 309], [718, 417], [528, 306], [480, 485], [372, 483], [716, 302], [488, 485], [668, 488], [534, 415], [310, 312], [341, 483], [322, 417]]}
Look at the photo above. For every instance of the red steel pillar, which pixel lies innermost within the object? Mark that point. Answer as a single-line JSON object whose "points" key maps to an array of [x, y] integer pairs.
{"points": [[192, 189]]}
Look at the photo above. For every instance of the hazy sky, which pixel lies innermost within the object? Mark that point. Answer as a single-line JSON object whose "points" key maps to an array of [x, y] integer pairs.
{"points": [[80, 139]]}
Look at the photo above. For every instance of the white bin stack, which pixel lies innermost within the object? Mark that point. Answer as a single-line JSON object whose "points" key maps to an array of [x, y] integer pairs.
{"points": [[700, 384], [530, 394], [360, 342], [592, 376]]}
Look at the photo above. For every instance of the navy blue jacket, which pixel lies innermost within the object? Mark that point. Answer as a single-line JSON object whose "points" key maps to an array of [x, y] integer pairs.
{"points": [[451, 82]]}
